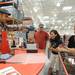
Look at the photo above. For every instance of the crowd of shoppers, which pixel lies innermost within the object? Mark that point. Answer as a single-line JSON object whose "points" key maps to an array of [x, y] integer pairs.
{"points": [[55, 45]]}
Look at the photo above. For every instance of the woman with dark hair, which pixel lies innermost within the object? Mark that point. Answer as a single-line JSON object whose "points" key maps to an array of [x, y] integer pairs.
{"points": [[55, 39], [71, 43], [55, 42]]}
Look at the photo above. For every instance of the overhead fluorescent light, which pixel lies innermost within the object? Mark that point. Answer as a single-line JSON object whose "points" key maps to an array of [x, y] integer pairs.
{"points": [[55, 15], [35, 9], [46, 17], [46, 21], [63, 25], [67, 8], [59, 21], [69, 27], [56, 27], [65, 22], [53, 20], [58, 4]]}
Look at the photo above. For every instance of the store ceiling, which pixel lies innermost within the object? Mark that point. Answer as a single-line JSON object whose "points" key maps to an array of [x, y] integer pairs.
{"points": [[54, 14]]}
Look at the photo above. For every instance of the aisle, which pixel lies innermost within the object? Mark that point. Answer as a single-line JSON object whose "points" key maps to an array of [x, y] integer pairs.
{"points": [[47, 64]]}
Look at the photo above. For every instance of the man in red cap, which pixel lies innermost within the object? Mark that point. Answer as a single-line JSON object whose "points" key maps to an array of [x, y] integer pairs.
{"points": [[41, 37]]}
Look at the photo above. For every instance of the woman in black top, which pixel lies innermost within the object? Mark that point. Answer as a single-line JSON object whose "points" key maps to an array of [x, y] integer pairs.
{"points": [[71, 43], [55, 41]]}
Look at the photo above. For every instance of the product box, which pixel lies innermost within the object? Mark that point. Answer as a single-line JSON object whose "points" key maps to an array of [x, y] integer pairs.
{"points": [[9, 71]]}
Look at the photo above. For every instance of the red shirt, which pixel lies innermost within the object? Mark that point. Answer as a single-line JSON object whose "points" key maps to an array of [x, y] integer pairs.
{"points": [[5, 45], [41, 38]]}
